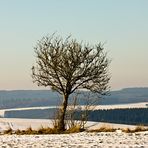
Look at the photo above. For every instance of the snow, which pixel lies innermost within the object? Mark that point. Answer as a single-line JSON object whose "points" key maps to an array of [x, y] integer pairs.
{"points": [[16, 123], [119, 106], [76, 140]]}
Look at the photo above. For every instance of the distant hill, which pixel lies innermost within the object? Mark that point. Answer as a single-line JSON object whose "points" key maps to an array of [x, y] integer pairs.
{"points": [[28, 98], [32, 98], [127, 95]]}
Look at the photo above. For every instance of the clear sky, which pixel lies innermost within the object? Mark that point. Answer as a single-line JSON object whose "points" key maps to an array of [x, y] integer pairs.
{"points": [[121, 24]]}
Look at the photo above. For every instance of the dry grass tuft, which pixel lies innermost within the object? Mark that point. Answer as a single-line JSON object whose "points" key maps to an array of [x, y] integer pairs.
{"points": [[47, 130], [74, 129], [40, 131], [103, 129], [8, 131], [139, 128]]}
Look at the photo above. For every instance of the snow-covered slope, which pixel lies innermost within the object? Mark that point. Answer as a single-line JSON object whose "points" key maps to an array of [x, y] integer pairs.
{"points": [[77, 140], [83, 140], [130, 105], [16, 123]]}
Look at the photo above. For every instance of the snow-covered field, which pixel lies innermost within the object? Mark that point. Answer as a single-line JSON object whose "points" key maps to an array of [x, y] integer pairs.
{"points": [[132, 105], [116, 139], [76, 140], [16, 123]]}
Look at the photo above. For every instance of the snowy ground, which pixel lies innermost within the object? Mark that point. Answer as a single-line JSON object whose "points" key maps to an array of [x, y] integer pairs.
{"points": [[130, 105], [78, 140], [116, 139], [16, 123]]}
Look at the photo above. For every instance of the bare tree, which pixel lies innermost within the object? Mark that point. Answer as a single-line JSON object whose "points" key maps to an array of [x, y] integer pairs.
{"points": [[67, 65]]}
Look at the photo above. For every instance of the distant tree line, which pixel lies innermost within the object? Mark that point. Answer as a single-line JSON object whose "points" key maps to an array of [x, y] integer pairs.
{"points": [[122, 116], [31, 113]]}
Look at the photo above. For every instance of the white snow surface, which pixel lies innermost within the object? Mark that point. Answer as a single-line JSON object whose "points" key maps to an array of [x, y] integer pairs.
{"points": [[130, 105], [116, 139], [22, 124], [77, 140]]}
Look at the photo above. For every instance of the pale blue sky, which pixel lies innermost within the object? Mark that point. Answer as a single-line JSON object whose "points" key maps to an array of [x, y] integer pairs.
{"points": [[121, 24]]}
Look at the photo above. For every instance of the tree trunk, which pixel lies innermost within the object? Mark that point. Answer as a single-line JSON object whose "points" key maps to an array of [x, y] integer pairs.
{"points": [[61, 124]]}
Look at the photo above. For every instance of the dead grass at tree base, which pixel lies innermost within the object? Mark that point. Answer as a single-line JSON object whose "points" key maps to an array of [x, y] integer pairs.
{"points": [[74, 129], [42, 130]]}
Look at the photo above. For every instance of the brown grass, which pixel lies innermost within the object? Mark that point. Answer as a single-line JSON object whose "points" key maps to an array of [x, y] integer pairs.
{"points": [[74, 129], [137, 129], [103, 129], [30, 131], [40, 131], [8, 131]]}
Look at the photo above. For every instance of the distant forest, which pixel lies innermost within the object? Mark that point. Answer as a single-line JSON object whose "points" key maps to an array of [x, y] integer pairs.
{"points": [[133, 116], [123, 116]]}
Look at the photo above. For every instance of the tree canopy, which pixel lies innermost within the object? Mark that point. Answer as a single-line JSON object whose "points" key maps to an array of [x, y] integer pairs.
{"points": [[67, 65]]}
